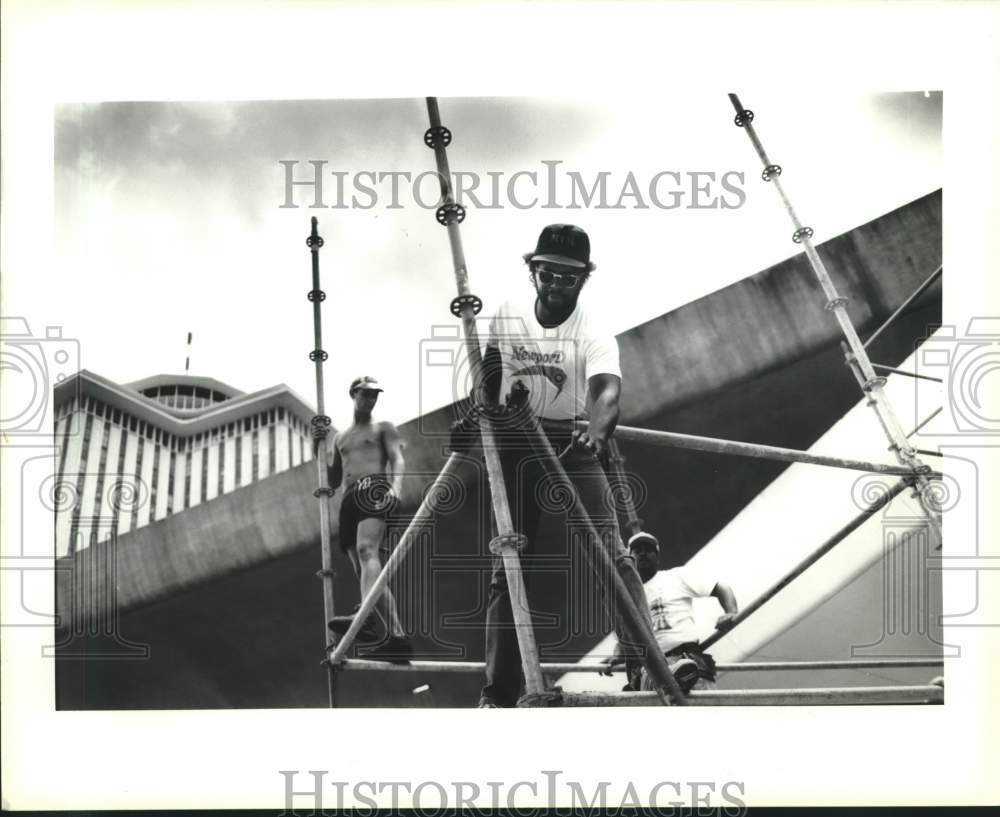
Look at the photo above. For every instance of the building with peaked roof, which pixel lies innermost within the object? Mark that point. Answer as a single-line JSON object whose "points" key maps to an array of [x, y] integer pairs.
{"points": [[134, 454]]}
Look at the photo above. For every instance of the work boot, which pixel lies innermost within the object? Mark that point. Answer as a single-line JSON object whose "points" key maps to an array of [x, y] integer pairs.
{"points": [[395, 649], [368, 634], [686, 673]]}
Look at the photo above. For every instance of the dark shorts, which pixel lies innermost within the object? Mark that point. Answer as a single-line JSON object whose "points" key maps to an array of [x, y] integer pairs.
{"points": [[365, 499]]}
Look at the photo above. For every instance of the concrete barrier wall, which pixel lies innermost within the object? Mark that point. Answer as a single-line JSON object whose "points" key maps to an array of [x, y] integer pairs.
{"points": [[778, 316]]}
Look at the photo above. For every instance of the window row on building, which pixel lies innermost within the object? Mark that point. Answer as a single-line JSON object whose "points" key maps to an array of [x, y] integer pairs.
{"points": [[169, 473], [178, 442]]}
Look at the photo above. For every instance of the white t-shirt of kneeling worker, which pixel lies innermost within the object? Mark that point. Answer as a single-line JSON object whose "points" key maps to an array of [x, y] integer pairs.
{"points": [[553, 363], [669, 594]]}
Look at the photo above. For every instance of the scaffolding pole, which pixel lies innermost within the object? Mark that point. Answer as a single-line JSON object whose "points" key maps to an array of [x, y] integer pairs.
{"points": [[903, 306], [564, 667], [321, 424], [619, 479], [891, 493], [508, 544], [637, 626], [714, 445], [821, 696], [871, 383]]}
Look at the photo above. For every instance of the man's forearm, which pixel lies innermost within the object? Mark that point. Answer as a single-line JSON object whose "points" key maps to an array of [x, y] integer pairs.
{"points": [[604, 416], [726, 597], [397, 469]]}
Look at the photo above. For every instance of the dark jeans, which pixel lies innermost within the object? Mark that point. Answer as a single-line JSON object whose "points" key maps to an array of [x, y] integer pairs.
{"points": [[530, 493]]}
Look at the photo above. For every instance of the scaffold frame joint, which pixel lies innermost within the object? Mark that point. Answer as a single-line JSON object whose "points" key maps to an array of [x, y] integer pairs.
{"points": [[436, 137], [549, 698], [518, 541], [459, 302], [770, 172], [450, 213]]}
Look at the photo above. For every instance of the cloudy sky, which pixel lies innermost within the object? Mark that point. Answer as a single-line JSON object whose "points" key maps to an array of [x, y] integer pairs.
{"points": [[169, 218]]}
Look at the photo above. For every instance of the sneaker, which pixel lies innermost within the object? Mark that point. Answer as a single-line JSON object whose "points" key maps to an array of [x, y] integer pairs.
{"points": [[395, 649], [341, 624], [487, 703], [685, 673]]}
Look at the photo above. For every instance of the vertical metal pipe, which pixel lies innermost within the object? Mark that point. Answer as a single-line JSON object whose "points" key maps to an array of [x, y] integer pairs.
{"points": [[633, 522], [314, 242], [534, 681]]}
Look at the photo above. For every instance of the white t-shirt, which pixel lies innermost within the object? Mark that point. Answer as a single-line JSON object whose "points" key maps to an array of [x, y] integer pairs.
{"points": [[553, 363], [669, 595]]}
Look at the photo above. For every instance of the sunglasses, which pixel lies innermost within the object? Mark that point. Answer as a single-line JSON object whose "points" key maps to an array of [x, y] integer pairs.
{"points": [[567, 279]]}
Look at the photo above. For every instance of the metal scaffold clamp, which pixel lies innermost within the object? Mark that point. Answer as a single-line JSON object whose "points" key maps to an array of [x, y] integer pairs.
{"points": [[876, 382], [548, 698], [318, 354], [832, 304], [743, 117], [438, 136], [316, 295], [518, 541], [802, 232], [459, 302], [450, 213], [770, 172]]}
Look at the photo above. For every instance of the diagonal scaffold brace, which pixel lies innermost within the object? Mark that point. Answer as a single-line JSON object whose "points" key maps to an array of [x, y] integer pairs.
{"points": [[508, 543], [466, 306], [857, 356]]}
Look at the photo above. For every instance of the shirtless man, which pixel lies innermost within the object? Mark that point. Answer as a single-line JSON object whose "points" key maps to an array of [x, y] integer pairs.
{"points": [[367, 463]]}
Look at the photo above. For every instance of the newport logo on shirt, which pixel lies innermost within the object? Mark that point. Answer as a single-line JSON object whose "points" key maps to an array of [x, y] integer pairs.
{"points": [[522, 353]]}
